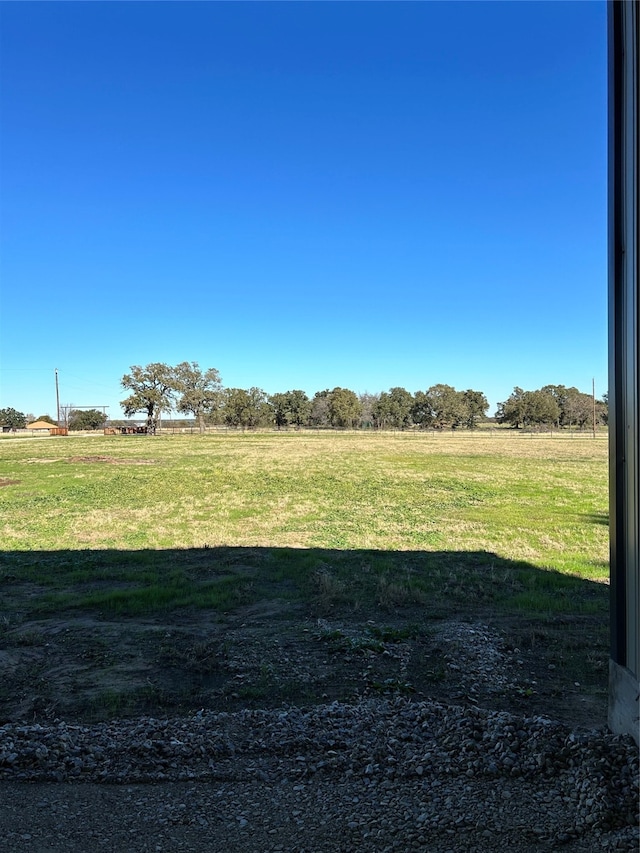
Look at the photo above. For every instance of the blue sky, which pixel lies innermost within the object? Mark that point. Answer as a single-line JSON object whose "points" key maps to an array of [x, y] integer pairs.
{"points": [[302, 195]]}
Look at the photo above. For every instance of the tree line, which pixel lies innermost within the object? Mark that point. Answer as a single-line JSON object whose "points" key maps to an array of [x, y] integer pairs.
{"points": [[553, 405], [158, 387], [74, 419]]}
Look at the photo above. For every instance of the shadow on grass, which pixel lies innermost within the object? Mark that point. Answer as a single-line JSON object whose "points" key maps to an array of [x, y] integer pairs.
{"points": [[151, 582], [101, 634], [598, 518]]}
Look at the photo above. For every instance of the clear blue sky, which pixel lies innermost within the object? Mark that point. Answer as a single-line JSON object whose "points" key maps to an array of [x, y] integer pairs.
{"points": [[302, 195]]}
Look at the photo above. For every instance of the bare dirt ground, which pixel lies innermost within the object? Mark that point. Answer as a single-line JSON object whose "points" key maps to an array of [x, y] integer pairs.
{"points": [[87, 668], [279, 654]]}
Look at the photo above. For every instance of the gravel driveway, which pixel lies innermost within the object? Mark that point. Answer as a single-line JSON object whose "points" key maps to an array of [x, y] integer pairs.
{"points": [[379, 775]]}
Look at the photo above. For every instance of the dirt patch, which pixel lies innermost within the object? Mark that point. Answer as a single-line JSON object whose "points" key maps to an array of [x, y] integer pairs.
{"points": [[111, 460], [86, 668], [92, 635], [4, 481]]}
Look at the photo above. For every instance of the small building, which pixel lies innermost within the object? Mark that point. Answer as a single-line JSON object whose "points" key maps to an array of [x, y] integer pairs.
{"points": [[42, 425]]}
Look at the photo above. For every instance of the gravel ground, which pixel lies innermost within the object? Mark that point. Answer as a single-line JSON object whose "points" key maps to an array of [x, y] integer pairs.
{"points": [[379, 775]]}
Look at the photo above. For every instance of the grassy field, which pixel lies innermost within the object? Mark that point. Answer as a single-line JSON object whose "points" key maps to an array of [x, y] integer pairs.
{"points": [[543, 500], [390, 530], [539, 501]]}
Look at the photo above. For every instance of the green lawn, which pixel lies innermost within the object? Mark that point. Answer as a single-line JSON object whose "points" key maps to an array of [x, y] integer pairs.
{"points": [[543, 500], [131, 523]]}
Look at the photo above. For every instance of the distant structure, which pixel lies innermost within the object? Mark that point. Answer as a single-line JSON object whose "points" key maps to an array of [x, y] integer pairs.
{"points": [[624, 372], [41, 426]]}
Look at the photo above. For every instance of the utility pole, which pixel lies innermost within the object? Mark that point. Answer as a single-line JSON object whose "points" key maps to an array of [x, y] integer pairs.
{"points": [[593, 394], [57, 398]]}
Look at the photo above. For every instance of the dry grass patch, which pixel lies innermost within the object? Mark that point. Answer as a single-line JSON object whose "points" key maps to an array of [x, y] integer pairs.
{"points": [[110, 460]]}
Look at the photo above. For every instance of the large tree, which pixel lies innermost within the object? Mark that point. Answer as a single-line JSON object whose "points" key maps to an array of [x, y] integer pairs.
{"points": [[299, 407], [246, 409], [540, 408], [447, 406], [344, 408], [529, 408], [86, 419], [560, 395], [153, 389], [394, 408], [476, 406], [199, 390], [290, 408], [512, 410], [280, 406], [236, 407], [421, 411], [319, 413], [577, 409], [260, 412], [12, 418]]}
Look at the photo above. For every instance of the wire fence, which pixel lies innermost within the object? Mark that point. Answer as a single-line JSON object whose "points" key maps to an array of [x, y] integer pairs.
{"points": [[601, 433]]}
